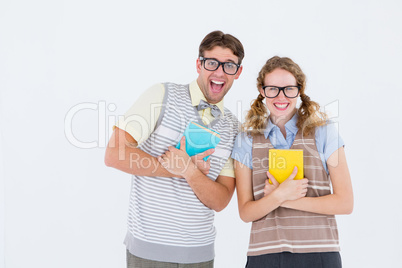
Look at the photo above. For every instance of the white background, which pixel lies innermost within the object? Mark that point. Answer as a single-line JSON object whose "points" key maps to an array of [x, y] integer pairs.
{"points": [[61, 207]]}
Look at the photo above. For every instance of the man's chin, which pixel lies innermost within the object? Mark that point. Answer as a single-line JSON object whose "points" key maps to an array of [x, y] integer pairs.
{"points": [[213, 99]]}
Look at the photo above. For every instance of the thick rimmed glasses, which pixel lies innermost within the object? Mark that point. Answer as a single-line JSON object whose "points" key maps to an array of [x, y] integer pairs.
{"points": [[229, 68], [273, 91]]}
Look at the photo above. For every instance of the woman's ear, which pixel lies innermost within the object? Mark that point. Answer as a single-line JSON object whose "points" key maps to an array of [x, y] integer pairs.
{"points": [[261, 91]]}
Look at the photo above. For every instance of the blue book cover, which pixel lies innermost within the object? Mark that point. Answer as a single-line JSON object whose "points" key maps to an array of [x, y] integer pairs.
{"points": [[199, 139]]}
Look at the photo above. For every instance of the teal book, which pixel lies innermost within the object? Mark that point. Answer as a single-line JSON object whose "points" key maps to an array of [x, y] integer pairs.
{"points": [[199, 139]]}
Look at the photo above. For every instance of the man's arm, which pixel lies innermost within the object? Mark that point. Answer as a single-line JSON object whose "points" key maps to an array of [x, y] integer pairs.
{"points": [[122, 153], [214, 194]]}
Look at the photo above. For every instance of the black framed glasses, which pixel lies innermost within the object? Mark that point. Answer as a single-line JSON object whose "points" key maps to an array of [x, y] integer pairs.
{"points": [[273, 91], [229, 68]]}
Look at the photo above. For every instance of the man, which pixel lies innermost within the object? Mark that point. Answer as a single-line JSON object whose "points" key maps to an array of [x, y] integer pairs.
{"points": [[173, 197]]}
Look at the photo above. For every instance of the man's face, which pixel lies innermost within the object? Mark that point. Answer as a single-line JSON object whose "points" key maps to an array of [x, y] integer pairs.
{"points": [[215, 84]]}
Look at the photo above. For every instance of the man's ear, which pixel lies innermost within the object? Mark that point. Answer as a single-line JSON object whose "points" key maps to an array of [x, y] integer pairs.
{"points": [[198, 65], [239, 72]]}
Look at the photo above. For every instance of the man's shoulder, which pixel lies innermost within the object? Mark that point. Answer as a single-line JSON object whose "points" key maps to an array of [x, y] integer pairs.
{"points": [[232, 122], [230, 116], [171, 85]]}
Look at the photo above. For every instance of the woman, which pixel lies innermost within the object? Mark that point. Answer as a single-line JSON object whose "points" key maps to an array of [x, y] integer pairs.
{"points": [[293, 222]]}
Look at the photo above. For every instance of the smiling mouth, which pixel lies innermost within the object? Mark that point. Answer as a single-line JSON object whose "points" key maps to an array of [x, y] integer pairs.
{"points": [[281, 106], [216, 86]]}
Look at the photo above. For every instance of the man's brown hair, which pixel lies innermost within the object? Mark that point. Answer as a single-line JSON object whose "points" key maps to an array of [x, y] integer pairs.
{"points": [[218, 38]]}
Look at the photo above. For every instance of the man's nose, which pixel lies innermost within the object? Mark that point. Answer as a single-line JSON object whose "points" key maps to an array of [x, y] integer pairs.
{"points": [[220, 71]]}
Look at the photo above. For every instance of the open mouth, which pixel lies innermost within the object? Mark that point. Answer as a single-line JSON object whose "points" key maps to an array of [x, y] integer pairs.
{"points": [[281, 106], [216, 86]]}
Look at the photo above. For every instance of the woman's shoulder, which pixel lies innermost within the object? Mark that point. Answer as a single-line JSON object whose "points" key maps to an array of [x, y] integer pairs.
{"points": [[327, 131], [244, 136], [242, 149], [328, 139]]}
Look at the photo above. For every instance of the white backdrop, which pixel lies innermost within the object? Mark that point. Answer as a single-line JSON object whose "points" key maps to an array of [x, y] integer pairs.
{"points": [[61, 207]]}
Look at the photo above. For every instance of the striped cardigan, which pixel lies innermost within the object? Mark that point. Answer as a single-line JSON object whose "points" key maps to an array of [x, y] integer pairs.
{"points": [[286, 229], [167, 222]]}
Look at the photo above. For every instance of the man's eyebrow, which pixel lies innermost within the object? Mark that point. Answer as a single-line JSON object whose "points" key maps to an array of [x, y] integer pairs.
{"points": [[228, 60], [231, 61]]}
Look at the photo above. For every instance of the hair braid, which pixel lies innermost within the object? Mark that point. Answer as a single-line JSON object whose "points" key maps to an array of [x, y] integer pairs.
{"points": [[309, 115], [256, 117]]}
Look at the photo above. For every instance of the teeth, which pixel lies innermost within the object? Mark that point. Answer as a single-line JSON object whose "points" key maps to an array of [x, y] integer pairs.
{"points": [[281, 105], [217, 82]]}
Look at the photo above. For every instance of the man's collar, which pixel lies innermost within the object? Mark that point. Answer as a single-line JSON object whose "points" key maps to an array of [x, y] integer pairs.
{"points": [[290, 126], [197, 95]]}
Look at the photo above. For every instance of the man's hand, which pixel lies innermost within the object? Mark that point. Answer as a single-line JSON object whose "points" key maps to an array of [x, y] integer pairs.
{"points": [[176, 161], [202, 165]]}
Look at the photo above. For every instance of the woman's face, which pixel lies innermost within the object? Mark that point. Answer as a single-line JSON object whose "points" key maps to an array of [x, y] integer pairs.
{"points": [[280, 108]]}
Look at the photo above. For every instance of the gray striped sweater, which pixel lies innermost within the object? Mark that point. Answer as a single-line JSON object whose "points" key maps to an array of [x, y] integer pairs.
{"points": [[167, 222]]}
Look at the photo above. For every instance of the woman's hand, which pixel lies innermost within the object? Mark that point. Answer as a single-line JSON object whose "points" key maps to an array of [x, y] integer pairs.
{"points": [[270, 187], [340, 201], [290, 189]]}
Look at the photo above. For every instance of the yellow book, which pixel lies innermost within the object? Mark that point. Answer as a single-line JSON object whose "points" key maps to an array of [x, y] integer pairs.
{"points": [[282, 163]]}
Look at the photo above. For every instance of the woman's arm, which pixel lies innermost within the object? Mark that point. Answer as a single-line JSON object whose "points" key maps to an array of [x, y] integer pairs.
{"points": [[341, 200], [251, 210]]}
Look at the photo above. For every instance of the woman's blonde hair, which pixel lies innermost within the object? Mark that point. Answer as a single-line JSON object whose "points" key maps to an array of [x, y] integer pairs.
{"points": [[308, 112]]}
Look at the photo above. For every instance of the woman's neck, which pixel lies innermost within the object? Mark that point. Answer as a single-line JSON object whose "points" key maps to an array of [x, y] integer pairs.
{"points": [[281, 121]]}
